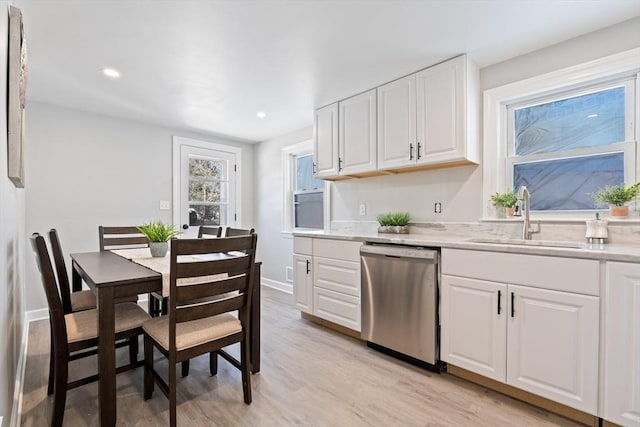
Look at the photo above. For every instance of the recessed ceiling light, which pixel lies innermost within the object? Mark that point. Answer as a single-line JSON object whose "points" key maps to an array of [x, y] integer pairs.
{"points": [[261, 114], [110, 72]]}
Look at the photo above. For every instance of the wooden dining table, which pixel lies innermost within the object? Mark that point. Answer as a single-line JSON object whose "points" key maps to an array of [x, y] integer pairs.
{"points": [[113, 276]]}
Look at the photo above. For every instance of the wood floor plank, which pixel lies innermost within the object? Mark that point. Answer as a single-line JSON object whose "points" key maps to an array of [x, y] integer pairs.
{"points": [[310, 376]]}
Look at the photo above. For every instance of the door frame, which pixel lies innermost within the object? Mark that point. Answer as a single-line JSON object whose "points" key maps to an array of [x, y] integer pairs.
{"points": [[178, 143]]}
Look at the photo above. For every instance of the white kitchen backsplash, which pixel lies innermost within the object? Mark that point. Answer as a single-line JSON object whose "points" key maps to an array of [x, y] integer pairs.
{"points": [[620, 231]]}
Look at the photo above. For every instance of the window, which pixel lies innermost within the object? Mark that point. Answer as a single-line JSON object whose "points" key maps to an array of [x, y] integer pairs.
{"points": [[305, 198], [566, 147], [208, 191], [308, 195], [564, 135]]}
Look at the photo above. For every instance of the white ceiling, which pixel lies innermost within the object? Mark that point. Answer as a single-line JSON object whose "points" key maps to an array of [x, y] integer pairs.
{"points": [[209, 66]]}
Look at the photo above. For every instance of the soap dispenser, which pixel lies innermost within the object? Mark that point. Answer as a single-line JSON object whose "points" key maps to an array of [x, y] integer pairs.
{"points": [[597, 231]]}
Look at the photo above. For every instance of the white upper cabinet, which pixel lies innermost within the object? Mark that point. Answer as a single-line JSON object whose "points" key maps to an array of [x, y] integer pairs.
{"points": [[397, 123], [447, 113], [325, 140], [431, 118], [357, 135]]}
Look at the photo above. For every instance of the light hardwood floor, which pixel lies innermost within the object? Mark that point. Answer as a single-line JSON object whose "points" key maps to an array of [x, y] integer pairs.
{"points": [[310, 376]]}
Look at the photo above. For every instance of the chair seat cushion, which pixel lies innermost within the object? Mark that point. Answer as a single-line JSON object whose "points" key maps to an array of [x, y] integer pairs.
{"points": [[193, 333], [83, 300], [83, 325]]}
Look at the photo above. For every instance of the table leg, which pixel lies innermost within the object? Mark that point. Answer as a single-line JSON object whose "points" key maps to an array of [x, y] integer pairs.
{"points": [[254, 318], [106, 356], [76, 280]]}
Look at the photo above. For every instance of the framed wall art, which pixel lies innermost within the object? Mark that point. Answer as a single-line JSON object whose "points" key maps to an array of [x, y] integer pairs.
{"points": [[16, 87]]}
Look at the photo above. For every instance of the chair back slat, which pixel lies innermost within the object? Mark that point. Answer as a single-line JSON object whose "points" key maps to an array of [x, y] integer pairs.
{"points": [[208, 309], [222, 286], [61, 270], [208, 268], [205, 230], [119, 237], [56, 311], [233, 232], [232, 255]]}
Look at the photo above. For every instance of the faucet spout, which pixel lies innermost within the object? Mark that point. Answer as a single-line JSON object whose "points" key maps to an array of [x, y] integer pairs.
{"points": [[523, 195]]}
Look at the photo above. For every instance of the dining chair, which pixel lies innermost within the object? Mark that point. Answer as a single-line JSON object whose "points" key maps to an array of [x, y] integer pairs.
{"points": [[128, 237], [232, 232], [197, 324], [205, 230], [78, 301], [75, 335]]}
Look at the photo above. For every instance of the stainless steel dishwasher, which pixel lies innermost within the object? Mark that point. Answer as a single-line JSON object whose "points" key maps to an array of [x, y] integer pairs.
{"points": [[400, 302]]}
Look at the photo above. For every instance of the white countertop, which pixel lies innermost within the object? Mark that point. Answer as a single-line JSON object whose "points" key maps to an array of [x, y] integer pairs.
{"points": [[608, 252]]}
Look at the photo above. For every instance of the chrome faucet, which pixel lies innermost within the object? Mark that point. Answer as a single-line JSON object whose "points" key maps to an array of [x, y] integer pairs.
{"points": [[523, 196]]}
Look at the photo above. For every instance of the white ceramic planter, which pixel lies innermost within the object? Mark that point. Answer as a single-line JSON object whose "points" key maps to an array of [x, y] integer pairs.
{"points": [[395, 229], [158, 249]]}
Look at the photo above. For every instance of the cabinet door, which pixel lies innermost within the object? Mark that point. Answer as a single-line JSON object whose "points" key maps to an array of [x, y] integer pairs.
{"points": [[441, 112], [552, 348], [303, 282], [325, 141], [357, 136], [622, 344], [473, 317], [397, 123]]}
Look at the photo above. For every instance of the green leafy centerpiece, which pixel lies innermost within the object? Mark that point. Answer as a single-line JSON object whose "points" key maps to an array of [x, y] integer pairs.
{"points": [[394, 222], [617, 197], [505, 203], [159, 235]]}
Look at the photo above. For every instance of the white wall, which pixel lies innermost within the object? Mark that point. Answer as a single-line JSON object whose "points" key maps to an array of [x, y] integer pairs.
{"points": [[85, 169], [12, 249], [274, 247]]}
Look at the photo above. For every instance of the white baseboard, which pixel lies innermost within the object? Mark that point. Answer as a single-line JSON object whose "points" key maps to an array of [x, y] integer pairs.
{"points": [[18, 389], [284, 287]]}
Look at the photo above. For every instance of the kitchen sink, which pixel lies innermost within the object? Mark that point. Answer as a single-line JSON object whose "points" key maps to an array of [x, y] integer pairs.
{"points": [[521, 242]]}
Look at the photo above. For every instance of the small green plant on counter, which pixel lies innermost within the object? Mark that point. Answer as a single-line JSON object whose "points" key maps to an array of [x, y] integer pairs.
{"points": [[617, 195], [394, 219], [504, 200], [156, 231]]}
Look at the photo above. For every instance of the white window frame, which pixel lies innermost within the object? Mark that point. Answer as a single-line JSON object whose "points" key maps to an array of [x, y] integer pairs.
{"points": [[496, 132], [289, 153]]}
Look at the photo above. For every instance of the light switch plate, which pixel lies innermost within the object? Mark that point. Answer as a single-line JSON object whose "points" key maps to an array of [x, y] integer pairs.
{"points": [[165, 205], [363, 209]]}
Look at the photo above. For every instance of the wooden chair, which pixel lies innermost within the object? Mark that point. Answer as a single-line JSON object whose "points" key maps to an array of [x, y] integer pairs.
{"points": [[121, 238], [75, 335], [206, 326], [128, 237], [209, 231], [77, 301], [232, 232]]}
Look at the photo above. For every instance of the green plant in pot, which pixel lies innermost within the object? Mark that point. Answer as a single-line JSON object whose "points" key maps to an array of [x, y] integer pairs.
{"points": [[159, 235], [505, 202], [617, 197], [394, 222]]}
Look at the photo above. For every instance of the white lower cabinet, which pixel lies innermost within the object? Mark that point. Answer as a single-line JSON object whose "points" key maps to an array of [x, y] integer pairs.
{"points": [[303, 282], [474, 321], [622, 344], [531, 337], [552, 345], [326, 279]]}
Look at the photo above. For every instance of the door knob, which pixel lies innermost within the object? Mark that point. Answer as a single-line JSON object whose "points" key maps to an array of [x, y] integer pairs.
{"points": [[185, 226]]}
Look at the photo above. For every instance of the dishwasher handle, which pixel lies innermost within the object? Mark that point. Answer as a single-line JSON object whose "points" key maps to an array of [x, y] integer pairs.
{"points": [[400, 252]]}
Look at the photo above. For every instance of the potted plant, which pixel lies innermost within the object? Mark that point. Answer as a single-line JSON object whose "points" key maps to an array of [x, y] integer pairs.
{"points": [[159, 235], [617, 197], [505, 202], [394, 222]]}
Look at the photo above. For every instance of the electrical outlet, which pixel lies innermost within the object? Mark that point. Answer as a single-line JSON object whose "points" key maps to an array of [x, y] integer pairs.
{"points": [[165, 205], [437, 207], [363, 209]]}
